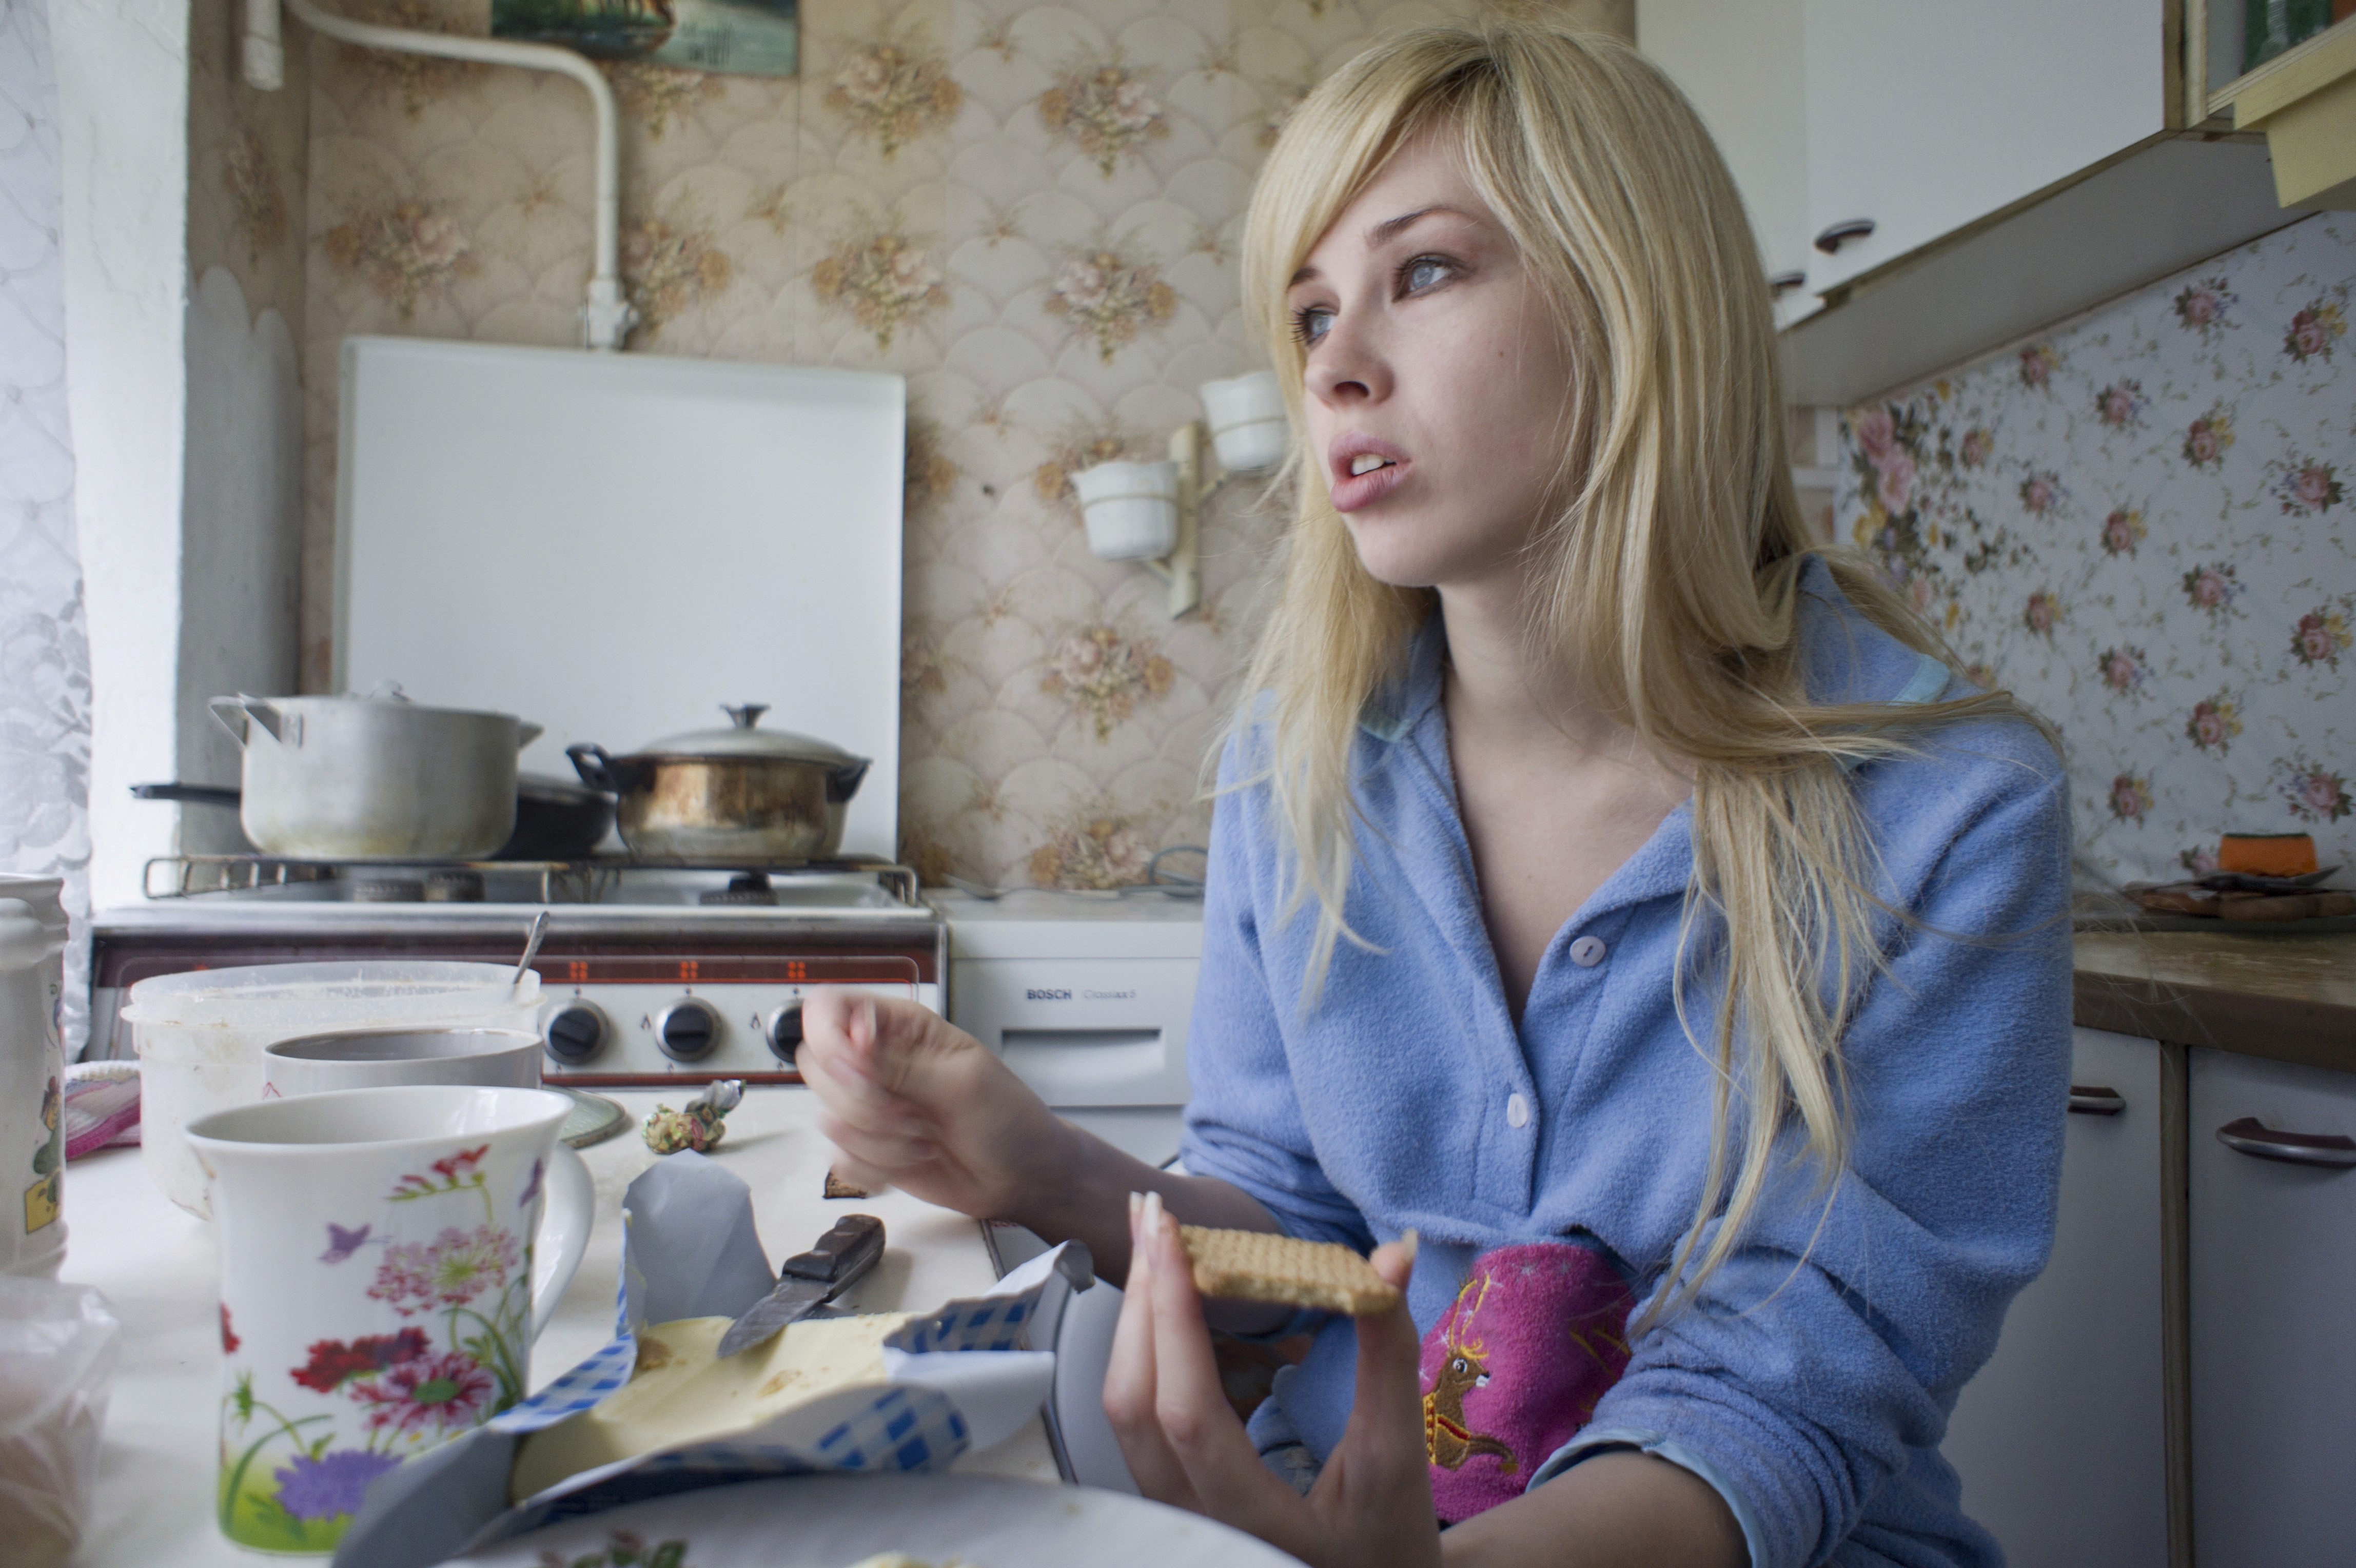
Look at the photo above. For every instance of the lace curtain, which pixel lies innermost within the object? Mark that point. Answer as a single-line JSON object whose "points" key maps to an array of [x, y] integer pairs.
{"points": [[43, 642]]}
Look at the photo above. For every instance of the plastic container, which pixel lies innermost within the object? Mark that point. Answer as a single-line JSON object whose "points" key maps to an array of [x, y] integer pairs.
{"points": [[1131, 509], [32, 1077], [200, 1035]]}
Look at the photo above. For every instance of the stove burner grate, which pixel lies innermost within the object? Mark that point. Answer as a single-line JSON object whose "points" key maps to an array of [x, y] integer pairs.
{"points": [[590, 880], [745, 888]]}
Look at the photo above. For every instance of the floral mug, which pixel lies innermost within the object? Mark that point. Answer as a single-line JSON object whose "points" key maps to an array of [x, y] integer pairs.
{"points": [[378, 1292]]}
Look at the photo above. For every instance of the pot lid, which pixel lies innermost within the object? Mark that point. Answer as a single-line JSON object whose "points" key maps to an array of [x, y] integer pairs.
{"points": [[742, 739], [384, 695]]}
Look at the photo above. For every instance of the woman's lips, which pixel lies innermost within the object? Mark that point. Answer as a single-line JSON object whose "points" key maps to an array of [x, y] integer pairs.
{"points": [[1352, 491]]}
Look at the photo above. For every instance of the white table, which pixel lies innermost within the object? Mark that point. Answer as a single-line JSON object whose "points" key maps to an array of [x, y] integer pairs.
{"points": [[158, 1268]]}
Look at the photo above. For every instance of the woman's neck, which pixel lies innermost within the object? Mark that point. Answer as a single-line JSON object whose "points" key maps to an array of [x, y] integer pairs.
{"points": [[1504, 693]]}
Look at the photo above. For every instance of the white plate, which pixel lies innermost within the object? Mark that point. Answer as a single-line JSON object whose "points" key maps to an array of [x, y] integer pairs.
{"points": [[832, 1521]]}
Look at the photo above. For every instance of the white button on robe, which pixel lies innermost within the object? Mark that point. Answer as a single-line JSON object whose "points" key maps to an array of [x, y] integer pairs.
{"points": [[1587, 951]]}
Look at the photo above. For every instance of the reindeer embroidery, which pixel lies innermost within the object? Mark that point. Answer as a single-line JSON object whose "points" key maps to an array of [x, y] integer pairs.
{"points": [[1446, 1438]]}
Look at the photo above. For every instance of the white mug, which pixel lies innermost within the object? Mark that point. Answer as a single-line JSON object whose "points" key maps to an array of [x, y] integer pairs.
{"points": [[32, 1076], [380, 1284], [380, 1059]]}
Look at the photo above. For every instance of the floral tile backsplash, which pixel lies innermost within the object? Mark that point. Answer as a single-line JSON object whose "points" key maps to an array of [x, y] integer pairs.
{"points": [[1030, 211], [2141, 526]]}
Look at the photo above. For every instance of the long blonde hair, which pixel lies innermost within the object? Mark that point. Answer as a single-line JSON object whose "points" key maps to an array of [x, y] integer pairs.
{"points": [[1667, 580]]}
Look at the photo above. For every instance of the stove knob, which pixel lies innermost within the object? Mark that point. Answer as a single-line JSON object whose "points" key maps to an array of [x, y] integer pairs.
{"points": [[688, 1030], [576, 1032], [784, 1031]]}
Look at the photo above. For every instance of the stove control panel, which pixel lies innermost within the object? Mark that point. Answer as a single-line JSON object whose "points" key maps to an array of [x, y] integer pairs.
{"points": [[622, 1035]]}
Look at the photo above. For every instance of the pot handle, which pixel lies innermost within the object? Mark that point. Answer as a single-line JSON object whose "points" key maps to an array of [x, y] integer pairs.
{"points": [[285, 728], [843, 783], [598, 770], [528, 731]]}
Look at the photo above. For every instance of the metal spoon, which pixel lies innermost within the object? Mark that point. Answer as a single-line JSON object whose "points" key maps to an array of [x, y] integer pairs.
{"points": [[530, 948]]}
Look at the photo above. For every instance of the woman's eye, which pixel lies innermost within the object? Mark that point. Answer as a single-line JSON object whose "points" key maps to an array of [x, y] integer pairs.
{"points": [[1423, 272], [1312, 322]]}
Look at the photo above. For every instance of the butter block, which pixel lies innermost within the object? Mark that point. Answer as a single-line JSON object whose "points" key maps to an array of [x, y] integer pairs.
{"points": [[682, 1392]]}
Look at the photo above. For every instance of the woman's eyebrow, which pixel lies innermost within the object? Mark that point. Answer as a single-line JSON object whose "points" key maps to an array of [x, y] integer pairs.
{"points": [[1387, 228], [1390, 227]]}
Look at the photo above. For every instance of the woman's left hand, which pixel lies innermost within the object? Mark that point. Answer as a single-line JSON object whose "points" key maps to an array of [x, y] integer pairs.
{"points": [[1371, 1505]]}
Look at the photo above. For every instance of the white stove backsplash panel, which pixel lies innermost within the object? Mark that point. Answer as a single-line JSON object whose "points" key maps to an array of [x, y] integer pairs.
{"points": [[611, 545]]}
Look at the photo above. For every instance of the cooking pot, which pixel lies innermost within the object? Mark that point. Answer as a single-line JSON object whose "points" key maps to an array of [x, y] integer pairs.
{"points": [[556, 818], [742, 794], [374, 777]]}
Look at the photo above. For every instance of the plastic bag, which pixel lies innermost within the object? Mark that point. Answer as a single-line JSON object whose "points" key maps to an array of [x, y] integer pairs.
{"points": [[57, 1349]]}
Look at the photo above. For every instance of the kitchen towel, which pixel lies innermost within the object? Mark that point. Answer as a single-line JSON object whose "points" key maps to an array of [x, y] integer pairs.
{"points": [[101, 1107]]}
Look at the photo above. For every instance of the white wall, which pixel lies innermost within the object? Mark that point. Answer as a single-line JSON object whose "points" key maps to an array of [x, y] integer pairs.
{"points": [[243, 519], [187, 431], [123, 87]]}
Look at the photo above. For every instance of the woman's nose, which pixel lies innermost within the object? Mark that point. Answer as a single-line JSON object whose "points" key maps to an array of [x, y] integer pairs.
{"points": [[1347, 369]]}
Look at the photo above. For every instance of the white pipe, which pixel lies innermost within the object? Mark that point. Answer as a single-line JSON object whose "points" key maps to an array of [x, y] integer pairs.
{"points": [[265, 55], [606, 320]]}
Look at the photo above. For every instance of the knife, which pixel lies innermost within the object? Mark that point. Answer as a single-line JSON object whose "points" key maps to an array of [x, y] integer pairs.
{"points": [[809, 1280]]}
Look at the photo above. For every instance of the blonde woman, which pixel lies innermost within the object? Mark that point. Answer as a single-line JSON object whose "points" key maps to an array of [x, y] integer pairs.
{"points": [[1606, 888]]}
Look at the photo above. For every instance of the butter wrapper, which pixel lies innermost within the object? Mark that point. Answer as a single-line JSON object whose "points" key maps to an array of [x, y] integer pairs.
{"points": [[962, 1378]]}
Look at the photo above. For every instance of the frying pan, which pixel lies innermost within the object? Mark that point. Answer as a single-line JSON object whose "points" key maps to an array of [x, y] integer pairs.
{"points": [[555, 818]]}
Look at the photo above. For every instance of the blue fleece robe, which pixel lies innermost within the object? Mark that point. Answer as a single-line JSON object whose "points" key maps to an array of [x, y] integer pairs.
{"points": [[1812, 1381]]}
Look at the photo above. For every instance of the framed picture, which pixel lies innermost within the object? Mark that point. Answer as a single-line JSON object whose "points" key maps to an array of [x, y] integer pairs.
{"points": [[746, 38]]}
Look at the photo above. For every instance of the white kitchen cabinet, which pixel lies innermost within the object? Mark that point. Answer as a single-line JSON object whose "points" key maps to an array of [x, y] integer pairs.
{"points": [[1924, 118], [1742, 66], [2060, 1440], [2017, 161], [2273, 1309]]}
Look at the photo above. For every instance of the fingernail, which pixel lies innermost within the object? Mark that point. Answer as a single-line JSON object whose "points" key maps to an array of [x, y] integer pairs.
{"points": [[1408, 1240], [1152, 1216]]}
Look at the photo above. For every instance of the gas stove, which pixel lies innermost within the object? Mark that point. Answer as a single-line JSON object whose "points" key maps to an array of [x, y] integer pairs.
{"points": [[655, 973]]}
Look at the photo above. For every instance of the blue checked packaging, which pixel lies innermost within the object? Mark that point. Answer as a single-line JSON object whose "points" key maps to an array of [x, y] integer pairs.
{"points": [[963, 1379]]}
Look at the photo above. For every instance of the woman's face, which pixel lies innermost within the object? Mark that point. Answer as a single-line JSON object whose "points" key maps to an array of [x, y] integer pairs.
{"points": [[1439, 386]]}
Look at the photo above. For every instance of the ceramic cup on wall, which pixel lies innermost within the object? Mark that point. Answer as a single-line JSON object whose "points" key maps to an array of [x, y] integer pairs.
{"points": [[1247, 420], [388, 1256], [1131, 509], [379, 1058], [32, 1076]]}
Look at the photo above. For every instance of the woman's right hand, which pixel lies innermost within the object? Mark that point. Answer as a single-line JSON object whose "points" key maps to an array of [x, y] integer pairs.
{"points": [[916, 1103]]}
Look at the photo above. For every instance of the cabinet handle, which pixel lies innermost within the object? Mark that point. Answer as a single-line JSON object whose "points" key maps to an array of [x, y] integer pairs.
{"points": [[1832, 239], [1782, 283], [2086, 1100], [2247, 1136]]}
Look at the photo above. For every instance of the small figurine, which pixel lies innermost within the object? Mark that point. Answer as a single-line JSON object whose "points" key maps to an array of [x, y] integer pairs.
{"points": [[700, 1126]]}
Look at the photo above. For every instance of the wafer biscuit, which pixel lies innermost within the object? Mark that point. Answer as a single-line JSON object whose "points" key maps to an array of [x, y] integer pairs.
{"points": [[1259, 1265]]}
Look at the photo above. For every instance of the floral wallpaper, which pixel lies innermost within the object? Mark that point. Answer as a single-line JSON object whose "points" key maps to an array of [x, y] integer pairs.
{"points": [[44, 636], [1030, 211], [2141, 525]]}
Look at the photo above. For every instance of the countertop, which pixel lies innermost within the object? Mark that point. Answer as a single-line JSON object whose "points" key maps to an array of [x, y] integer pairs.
{"points": [[2288, 997], [159, 1270]]}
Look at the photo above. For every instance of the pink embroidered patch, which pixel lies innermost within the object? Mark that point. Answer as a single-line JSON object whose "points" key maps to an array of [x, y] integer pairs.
{"points": [[1515, 1367]]}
